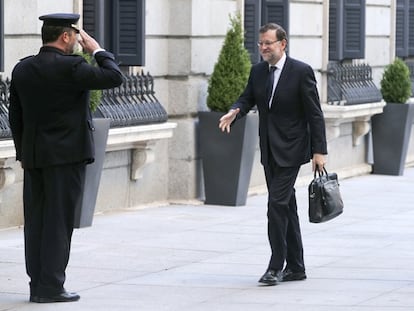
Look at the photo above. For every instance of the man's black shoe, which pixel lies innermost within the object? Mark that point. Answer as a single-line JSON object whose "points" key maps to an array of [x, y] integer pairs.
{"points": [[271, 277], [289, 275], [62, 297]]}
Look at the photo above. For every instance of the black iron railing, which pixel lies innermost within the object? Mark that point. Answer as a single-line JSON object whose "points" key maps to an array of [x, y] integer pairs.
{"points": [[4, 111], [410, 65], [132, 103], [351, 84]]}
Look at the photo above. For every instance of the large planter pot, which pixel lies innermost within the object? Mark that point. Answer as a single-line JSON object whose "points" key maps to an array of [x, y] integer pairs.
{"points": [[390, 137], [85, 211], [227, 158]]}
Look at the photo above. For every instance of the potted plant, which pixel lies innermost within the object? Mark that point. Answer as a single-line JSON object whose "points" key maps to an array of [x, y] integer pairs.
{"points": [[86, 209], [228, 158], [391, 129]]}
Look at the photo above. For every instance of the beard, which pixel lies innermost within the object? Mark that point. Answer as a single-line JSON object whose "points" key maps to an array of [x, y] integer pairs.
{"points": [[71, 49]]}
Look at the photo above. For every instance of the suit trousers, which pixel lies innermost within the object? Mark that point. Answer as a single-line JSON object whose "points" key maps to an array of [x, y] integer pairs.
{"points": [[283, 221], [50, 196]]}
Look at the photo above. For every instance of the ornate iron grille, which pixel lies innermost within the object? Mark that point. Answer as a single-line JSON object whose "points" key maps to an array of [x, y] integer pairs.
{"points": [[351, 84], [132, 103], [4, 111], [410, 65]]}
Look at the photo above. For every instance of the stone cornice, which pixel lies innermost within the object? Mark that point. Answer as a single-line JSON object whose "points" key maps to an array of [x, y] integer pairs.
{"points": [[360, 116], [352, 111], [139, 139], [7, 149], [130, 137]]}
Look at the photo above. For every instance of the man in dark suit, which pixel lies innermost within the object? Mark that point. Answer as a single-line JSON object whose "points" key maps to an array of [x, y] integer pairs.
{"points": [[292, 131], [52, 129]]}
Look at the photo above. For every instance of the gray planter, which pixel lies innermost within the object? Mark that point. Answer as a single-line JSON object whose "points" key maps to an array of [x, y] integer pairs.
{"points": [[227, 158], [391, 132], [85, 211]]}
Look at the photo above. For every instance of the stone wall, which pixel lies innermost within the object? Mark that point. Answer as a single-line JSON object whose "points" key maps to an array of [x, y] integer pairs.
{"points": [[183, 40], [410, 152]]}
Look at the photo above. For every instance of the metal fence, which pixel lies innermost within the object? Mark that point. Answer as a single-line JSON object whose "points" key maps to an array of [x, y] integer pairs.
{"points": [[132, 103], [4, 111], [350, 84], [410, 65]]}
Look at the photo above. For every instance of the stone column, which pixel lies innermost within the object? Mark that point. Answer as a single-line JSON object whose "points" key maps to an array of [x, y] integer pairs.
{"points": [[196, 33]]}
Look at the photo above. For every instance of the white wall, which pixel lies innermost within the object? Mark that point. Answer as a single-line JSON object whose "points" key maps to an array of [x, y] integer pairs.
{"points": [[183, 40], [22, 27]]}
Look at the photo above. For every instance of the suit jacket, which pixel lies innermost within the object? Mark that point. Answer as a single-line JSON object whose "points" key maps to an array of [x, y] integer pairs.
{"points": [[293, 128], [49, 111]]}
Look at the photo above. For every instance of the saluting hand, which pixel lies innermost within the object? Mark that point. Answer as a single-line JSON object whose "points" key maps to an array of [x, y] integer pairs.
{"points": [[227, 119], [88, 43]]}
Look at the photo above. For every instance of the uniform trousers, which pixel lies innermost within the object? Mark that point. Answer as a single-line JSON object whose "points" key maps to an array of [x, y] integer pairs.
{"points": [[50, 196], [283, 222]]}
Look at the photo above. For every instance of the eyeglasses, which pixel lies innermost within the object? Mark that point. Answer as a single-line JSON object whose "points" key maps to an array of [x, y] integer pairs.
{"points": [[267, 43]]}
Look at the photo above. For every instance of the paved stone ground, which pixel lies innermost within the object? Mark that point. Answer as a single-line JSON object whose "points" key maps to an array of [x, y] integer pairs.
{"points": [[199, 257]]}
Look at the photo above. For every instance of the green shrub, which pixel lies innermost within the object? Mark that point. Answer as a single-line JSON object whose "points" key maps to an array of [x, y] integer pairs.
{"points": [[231, 71], [396, 82]]}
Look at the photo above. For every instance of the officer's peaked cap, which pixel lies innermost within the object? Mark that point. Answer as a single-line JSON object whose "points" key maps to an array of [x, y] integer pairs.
{"points": [[61, 19]]}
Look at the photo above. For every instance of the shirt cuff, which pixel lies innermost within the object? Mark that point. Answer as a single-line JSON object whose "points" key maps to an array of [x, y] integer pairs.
{"points": [[97, 50]]}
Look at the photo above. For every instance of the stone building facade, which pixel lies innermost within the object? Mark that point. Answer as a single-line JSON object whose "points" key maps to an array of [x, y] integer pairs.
{"points": [[159, 163]]}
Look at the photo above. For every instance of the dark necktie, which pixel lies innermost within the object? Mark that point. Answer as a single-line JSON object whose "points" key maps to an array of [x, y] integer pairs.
{"points": [[270, 80]]}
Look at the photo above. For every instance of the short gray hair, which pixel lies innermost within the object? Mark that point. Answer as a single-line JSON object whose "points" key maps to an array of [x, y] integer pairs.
{"points": [[280, 32]]}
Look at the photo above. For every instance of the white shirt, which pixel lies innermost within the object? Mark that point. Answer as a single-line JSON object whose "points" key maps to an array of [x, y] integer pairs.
{"points": [[96, 51], [279, 66]]}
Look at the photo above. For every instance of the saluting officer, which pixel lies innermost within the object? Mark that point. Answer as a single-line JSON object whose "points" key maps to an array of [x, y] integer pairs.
{"points": [[52, 131]]}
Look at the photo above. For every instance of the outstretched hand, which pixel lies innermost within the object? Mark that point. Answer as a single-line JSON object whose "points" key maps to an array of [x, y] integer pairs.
{"points": [[227, 120]]}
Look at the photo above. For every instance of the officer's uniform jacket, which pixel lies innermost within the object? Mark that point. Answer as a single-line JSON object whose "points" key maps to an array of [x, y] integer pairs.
{"points": [[49, 110]]}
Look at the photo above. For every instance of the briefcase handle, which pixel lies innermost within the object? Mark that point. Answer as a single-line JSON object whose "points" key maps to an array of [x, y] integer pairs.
{"points": [[324, 172]]}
